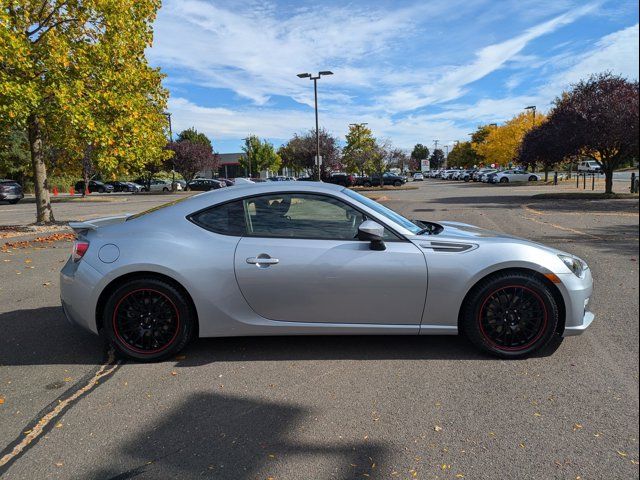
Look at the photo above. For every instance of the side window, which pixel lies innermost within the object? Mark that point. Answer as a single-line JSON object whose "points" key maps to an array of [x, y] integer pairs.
{"points": [[226, 219], [299, 215]]}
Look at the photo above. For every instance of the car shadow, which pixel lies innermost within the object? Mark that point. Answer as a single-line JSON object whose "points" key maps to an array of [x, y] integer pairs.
{"points": [[43, 336], [213, 435]]}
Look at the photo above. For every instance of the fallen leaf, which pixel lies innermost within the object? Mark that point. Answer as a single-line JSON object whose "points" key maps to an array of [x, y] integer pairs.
{"points": [[59, 464], [537, 414], [576, 426], [1, 400], [437, 428], [46, 284], [59, 425], [174, 373], [181, 357], [621, 453], [521, 445], [459, 475], [27, 260]]}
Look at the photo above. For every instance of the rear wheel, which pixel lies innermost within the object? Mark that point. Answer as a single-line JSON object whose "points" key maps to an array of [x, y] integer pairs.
{"points": [[165, 189], [533, 178], [148, 320], [367, 184], [510, 315], [397, 183], [504, 180], [14, 201]]}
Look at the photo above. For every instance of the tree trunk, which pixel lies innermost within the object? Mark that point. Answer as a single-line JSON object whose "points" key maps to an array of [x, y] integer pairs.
{"points": [[608, 180], [86, 167], [546, 172], [44, 214]]}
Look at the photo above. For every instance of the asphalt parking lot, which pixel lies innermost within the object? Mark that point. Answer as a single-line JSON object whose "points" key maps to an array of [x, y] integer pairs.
{"points": [[330, 407]]}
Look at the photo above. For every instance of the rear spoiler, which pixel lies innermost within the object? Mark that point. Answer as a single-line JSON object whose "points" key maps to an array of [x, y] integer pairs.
{"points": [[84, 227]]}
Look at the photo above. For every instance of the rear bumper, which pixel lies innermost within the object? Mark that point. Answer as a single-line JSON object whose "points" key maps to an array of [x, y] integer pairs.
{"points": [[77, 294], [11, 196]]}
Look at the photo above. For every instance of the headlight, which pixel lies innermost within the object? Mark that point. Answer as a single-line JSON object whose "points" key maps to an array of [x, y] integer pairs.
{"points": [[576, 265]]}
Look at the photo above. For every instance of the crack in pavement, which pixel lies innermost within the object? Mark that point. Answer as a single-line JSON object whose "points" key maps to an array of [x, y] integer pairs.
{"points": [[55, 410]]}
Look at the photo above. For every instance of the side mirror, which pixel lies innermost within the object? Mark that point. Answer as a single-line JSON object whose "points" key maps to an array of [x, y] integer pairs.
{"points": [[373, 232]]}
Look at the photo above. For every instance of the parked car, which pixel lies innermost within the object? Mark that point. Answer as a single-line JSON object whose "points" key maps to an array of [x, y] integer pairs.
{"points": [[476, 176], [123, 186], [589, 166], [344, 179], [94, 187], [226, 181], [507, 176], [388, 178], [205, 184], [269, 259], [180, 185], [468, 174], [10, 191], [418, 177]]}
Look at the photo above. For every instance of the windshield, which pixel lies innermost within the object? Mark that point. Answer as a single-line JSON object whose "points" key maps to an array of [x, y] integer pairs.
{"points": [[384, 211]]}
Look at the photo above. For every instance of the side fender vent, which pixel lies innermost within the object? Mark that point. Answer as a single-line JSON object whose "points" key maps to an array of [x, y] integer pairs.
{"points": [[446, 247]]}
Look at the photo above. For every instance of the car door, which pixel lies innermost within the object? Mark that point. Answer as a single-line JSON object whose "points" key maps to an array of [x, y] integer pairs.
{"points": [[301, 261]]}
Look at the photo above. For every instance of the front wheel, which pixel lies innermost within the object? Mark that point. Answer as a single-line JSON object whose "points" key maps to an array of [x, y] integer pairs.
{"points": [[533, 178], [367, 184], [13, 201], [510, 315], [504, 180], [397, 183], [148, 320]]}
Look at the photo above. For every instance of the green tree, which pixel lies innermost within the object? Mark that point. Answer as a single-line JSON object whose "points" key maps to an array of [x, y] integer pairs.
{"points": [[195, 137], [463, 155], [420, 152], [260, 155], [360, 148], [14, 154], [74, 75], [437, 159]]}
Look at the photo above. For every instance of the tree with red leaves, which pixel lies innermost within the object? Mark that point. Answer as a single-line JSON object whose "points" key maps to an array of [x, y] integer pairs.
{"points": [[191, 156], [597, 119]]}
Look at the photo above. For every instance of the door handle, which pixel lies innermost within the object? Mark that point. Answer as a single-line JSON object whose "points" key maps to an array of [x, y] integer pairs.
{"points": [[262, 260]]}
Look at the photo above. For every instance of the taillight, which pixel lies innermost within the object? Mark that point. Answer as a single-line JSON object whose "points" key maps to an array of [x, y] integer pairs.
{"points": [[80, 247]]}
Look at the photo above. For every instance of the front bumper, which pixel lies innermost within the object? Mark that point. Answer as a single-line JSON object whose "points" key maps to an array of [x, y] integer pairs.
{"points": [[11, 196], [577, 294]]}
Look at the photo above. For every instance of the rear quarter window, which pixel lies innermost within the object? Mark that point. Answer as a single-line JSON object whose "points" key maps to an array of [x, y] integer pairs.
{"points": [[225, 219]]}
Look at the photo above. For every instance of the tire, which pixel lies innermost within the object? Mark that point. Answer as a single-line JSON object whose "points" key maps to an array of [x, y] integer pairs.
{"points": [[367, 184], [101, 190], [171, 307], [397, 183], [533, 178], [14, 201], [165, 189], [466, 179], [492, 322], [504, 180]]}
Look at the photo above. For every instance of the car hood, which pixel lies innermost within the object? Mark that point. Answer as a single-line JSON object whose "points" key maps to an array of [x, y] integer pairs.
{"points": [[465, 232]]}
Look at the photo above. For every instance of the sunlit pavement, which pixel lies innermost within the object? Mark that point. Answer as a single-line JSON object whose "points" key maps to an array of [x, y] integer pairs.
{"points": [[332, 407]]}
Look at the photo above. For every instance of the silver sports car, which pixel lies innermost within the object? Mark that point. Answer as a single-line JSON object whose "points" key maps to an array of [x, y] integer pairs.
{"points": [[306, 258]]}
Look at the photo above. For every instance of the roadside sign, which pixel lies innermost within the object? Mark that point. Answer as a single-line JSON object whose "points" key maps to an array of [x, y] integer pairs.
{"points": [[424, 165]]}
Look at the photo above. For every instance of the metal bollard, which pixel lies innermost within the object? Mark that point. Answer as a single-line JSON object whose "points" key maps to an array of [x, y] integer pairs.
{"points": [[634, 183], [584, 181], [555, 178], [577, 180], [593, 182]]}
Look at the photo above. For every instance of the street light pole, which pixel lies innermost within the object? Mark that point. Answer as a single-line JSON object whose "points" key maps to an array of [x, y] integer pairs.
{"points": [[173, 161], [315, 96], [533, 109]]}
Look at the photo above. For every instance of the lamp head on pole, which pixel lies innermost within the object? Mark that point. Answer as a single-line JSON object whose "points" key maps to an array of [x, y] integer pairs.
{"points": [[304, 75], [325, 72]]}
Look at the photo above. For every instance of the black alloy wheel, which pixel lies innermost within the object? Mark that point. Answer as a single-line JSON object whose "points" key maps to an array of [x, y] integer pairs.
{"points": [[510, 315], [148, 319]]}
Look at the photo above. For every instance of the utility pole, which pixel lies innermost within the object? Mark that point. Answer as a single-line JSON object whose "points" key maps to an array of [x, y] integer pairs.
{"points": [[315, 95]]}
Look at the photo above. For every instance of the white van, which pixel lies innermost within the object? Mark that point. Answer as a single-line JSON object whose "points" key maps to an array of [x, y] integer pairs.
{"points": [[589, 166]]}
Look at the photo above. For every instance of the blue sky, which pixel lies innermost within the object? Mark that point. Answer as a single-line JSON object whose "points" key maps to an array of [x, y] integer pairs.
{"points": [[415, 71]]}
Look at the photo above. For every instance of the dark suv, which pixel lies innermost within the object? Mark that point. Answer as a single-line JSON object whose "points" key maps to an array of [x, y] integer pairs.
{"points": [[388, 178], [344, 179], [94, 186], [11, 191]]}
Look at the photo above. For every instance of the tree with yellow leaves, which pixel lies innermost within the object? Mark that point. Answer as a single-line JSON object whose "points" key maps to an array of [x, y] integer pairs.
{"points": [[501, 143], [75, 77]]}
